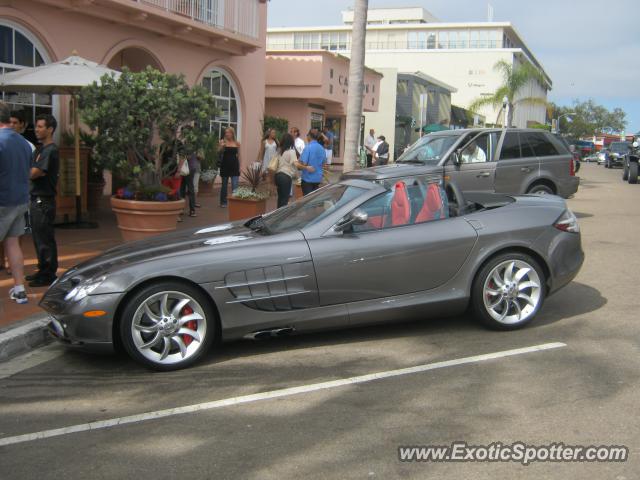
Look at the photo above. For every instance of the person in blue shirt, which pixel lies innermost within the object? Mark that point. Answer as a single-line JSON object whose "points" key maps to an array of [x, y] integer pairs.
{"points": [[311, 162], [15, 160]]}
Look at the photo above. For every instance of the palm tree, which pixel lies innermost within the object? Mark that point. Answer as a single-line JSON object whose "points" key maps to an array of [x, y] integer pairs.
{"points": [[515, 78], [356, 84]]}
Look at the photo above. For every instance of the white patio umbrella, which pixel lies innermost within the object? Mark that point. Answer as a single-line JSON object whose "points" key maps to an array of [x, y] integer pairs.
{"points": [[65, 77]]}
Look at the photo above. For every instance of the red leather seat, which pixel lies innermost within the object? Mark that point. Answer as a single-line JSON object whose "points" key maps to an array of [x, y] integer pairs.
{"points": [[400, 206], [433, 206]]}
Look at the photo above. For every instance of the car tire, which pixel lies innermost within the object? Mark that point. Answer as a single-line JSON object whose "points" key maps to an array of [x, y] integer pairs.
{"points": [[625, 172], [168, 326], [508, 291], [540, 189], [633, 172]]}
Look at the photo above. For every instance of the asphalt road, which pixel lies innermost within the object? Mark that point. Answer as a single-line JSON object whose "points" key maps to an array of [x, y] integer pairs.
{"points": [[584, 393]]}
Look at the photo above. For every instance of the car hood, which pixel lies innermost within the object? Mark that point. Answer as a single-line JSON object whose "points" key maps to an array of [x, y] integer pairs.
{"points": [[212, 237]]}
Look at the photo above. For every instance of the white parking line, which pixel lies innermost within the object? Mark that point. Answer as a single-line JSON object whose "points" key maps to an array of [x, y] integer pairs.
{"points": [[285, 392], [30, 360]]}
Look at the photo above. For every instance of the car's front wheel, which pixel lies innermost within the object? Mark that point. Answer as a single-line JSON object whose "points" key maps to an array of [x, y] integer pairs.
{"points": [[508, 291], [625, 172], [167, 326]]}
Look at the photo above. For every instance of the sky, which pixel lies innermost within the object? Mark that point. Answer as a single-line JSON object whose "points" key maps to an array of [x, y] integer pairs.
{"points": [[590, 48]]}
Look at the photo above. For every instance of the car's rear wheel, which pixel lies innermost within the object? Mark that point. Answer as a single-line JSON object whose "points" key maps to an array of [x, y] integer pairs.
{"points": [[633, 172], [540, 189], [167, 326], [508, 291]]}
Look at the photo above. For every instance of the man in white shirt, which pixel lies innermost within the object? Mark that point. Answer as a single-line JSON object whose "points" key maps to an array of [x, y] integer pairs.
{"points": [[369, 143], [298, 142], [473, 154]]}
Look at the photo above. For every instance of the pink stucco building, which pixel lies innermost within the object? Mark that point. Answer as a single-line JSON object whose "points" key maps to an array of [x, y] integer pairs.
{"points": [[217, 43], [309, 88]]}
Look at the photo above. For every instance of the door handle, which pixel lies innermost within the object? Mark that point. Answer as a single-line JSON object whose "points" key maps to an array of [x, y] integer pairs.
{"points": [[525, 169], [483, 175]]}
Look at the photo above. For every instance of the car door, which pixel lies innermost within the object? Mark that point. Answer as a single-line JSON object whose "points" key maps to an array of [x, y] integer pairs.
{"points": [[517, 165], [476, 170], [391, 254]]}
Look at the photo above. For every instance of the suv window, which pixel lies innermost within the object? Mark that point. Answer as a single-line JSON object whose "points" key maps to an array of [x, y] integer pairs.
{"points": [[480, 150], [525, 145], [510, 146], [542, 146]]}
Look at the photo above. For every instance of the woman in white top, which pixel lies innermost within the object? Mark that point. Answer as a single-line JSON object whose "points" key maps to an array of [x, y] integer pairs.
{"points": [[287, 169], [268, 148]]}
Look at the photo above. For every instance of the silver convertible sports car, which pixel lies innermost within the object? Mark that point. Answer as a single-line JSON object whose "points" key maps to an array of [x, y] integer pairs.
{"points": [[384, 244]]}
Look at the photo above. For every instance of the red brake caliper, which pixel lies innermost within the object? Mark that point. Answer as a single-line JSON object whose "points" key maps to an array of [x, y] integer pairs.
{"points": [[191, 325]]}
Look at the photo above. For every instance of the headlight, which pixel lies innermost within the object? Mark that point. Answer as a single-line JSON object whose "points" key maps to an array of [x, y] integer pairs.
{"points": [[84, 289]]}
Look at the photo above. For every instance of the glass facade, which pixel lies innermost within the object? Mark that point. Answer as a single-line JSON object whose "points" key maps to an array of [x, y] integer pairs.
{"points": [[16, 52]]}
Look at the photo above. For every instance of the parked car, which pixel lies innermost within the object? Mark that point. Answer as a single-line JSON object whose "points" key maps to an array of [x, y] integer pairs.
{"points": [[617, 154], [602, 156], [591, 158], [499, 160], [630, 169], [384, 244]]}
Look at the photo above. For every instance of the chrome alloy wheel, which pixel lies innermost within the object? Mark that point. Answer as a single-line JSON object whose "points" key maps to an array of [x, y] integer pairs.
{"points": [[169, 327], [512, 292]]}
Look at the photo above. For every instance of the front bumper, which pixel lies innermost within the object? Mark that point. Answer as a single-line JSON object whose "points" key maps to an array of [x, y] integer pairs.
{"points": [[564, 256], [70, 326], [617, 161]]}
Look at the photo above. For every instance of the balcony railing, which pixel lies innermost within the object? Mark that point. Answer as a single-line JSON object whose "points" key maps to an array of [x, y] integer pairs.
{"points": [[372, 46], [240, 17]]}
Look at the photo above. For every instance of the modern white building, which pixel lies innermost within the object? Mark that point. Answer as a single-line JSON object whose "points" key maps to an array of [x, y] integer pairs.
{"points": [[462, 55]]}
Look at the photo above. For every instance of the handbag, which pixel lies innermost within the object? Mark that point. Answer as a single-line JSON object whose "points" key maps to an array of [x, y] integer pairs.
{"points": [[274, 163], [184, 169]]}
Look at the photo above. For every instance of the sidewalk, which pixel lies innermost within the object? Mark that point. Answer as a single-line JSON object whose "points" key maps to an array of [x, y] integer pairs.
{"points": [[22, 326]]}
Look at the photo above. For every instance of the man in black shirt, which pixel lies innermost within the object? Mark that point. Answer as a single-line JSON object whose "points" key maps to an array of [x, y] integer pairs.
{"points": [[44, 179]]}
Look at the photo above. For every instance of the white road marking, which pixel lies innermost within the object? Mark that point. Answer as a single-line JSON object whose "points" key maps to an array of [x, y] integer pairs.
{"points": [[30, 360], [285, 392]]}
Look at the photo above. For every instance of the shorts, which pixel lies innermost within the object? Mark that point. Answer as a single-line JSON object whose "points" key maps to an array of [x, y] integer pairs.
{"points": [[12, 221]]}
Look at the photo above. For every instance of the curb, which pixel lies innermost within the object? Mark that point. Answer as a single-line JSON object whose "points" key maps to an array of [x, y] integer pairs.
{"points": [[24, 336]]}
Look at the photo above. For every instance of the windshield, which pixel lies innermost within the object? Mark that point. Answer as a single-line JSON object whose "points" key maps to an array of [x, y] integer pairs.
{"points": [[311, 209], [429, 149], [619, 147]]}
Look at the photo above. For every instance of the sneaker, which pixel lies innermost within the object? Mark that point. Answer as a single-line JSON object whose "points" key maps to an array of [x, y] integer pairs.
{"points": [[42, 282], [18, 297]]}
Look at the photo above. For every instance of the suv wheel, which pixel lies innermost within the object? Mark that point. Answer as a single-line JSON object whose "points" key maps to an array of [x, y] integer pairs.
{"points": [[633, 172], [540, 189]]}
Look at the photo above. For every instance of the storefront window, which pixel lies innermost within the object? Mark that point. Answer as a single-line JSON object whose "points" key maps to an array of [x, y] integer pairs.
{"points": [[17, 51], [317, 120], [335, 125], [222, 88]]}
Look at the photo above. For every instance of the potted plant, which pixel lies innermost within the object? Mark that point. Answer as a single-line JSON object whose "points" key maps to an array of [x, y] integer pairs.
{"points": [[141, 122], [249, 200]]}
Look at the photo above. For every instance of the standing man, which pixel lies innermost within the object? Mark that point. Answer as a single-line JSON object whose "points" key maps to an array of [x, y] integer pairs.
{"points": [[19, 124], [298, 142], [328, 133], [44, 179], [311, 162], [369, 142], [382, 151], [15, 156]]}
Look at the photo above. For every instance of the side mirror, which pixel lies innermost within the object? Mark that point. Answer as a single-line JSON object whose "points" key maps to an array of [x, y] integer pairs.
{"points": [[357, 217]]}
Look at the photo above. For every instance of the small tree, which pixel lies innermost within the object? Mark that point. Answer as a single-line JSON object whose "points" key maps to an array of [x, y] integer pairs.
{"points": [[139, 121], [514, 79], [280, 125]]}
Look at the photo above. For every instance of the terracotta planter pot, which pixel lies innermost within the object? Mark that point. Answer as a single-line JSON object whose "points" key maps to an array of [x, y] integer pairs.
{"points": [[240, 208], [138, 220], [94, 195]]}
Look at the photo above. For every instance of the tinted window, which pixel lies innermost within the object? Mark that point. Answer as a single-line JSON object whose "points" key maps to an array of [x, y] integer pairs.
{"points": [[481, 149], [525, 145], [542, 146], [510, 146]]}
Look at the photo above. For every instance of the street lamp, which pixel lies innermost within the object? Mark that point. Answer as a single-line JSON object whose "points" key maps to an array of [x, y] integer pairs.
{"points": [[559, 117]]}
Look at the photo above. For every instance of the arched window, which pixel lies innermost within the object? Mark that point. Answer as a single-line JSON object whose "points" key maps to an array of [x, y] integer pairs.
{"points": [[224, 91], [19, 49]]}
